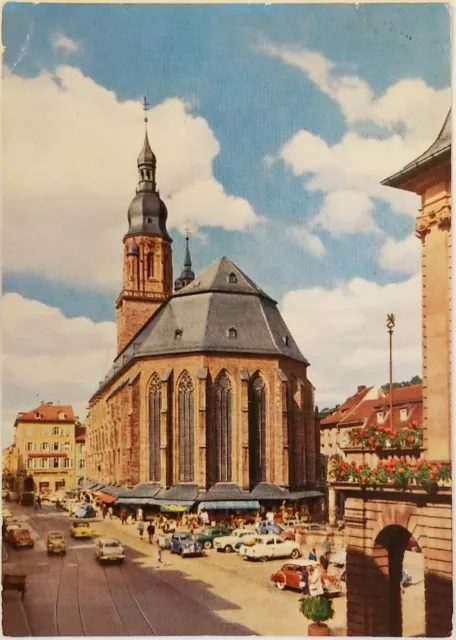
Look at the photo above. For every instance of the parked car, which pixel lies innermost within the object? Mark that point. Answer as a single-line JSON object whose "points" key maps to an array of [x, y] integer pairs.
{"points": [[266, 527], [81, 530], [208, 534], [290, 574], [85, 511], [18, 536], [271, 546], [185, 544], [109, 549], [290, 532], [55, 543], [237, 537]]}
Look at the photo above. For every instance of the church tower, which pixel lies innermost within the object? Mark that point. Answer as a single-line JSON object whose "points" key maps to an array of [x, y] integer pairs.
{"points": [[147, 258]]}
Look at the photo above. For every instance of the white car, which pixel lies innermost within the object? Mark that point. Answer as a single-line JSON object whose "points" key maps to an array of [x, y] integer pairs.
{"points": [[228, 543], [109, 549], [268, 547]]}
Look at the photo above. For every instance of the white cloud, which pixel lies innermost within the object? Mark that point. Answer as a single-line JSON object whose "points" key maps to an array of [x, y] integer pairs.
{"points": [[49, 357], [342, 333], [70, 175], [305, 238], [401, 255], [345, 212], [60, 42]]}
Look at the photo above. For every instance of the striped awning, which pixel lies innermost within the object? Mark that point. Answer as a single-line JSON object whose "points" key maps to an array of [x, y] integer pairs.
{"points": [[234, 505]]}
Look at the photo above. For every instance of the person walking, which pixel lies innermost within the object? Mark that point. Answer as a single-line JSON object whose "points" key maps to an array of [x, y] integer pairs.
{"points": [[151, 532], [324, 562], [141, 529], [159, 556], [110, 511], [38, 501], [304, 583], [326, 547], [315, 583]]}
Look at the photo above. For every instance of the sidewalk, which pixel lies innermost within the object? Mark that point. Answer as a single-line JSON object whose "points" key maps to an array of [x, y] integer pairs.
{"points": [[14, 619]]}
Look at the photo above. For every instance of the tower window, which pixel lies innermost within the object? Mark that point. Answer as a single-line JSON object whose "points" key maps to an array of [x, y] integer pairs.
{"points": [[285, 340], [149, 220], [232, 333], [150, 265], [178, 334], [232, 279]]}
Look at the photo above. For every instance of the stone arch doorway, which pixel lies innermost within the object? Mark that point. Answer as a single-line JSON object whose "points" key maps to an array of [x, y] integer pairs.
{"points": [[389, 551]]}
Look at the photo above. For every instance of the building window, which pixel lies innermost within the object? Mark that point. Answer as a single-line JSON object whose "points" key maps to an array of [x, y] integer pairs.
{"points": [[403, 415], [45, 462], [257, 430], [45, 431], [55, 431], [154, 427], [232, 279], [81, 464], [150, 265], [380, 417], [185, 396], [178, 334], [28, 463], [30, 431], [56, 446], [67, 446], [223, 428], [29, 446], [232, 333], [55, 463]]}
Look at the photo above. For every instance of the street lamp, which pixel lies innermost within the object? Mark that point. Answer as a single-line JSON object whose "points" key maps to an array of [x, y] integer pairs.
{"points": [[390, 324]]}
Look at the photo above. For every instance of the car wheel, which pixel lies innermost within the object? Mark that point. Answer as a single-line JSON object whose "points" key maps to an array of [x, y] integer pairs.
{"points": [[228, 549], [264, 558], [295, 554], [207, 544], [280, 585], [245, 557]]}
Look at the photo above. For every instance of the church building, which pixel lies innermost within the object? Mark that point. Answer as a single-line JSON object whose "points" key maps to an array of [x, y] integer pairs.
{"points": [[209, 388]]}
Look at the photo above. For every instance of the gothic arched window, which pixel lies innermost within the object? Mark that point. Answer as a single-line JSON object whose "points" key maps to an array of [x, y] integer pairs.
{"points": [[150, 265], [185, 399], [154, 427], [223, 428], [257, 430]]}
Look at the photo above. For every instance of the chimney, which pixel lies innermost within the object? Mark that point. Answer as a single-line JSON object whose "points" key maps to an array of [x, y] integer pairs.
{"points": [[361, 387]]}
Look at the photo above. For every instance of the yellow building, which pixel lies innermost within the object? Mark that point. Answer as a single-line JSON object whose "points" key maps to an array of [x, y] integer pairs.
{"points": [[46, 447]]}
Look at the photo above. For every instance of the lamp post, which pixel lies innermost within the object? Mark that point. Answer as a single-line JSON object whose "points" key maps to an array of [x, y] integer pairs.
{"points": [[390, 324]]}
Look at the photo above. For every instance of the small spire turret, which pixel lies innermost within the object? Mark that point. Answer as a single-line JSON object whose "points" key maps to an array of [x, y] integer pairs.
{"points": [[187, 274]]}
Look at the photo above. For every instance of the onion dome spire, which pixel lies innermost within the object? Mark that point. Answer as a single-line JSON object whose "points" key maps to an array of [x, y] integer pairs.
{"points": [[187, 274], [147, 212]]}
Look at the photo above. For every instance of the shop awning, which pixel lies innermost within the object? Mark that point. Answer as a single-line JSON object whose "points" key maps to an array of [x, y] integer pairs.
{"points": [[298, 495], [136, 501], [105, 497], [235, 505]]}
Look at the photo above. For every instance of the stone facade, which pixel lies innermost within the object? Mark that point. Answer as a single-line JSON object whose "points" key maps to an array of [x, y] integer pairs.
{"points": [[379, 523], [119, 436]]}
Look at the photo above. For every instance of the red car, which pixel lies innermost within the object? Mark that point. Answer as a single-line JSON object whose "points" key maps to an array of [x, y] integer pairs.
{"points": [[290, 574], [19, 537]]}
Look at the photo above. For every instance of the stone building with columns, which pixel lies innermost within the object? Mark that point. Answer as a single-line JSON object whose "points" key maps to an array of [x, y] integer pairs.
{"points": [[208, 387], [381, 519]]}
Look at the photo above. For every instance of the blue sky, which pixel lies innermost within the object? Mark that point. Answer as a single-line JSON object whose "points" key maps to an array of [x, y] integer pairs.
{"points": [[255, 76]]}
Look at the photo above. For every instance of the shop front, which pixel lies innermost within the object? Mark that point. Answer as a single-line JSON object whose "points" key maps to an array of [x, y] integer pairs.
{"points": [[230, 511]]}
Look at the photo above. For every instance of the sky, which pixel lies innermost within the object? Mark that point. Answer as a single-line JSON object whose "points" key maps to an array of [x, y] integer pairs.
{"points": [[273, 128]]}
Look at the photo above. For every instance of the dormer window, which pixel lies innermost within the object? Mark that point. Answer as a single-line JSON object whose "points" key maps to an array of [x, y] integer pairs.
{"points": [[37, 415], [380, 417], [232, 333], [178, 334], [403, 415], [149, 220], [285, 340], [232, 279]]}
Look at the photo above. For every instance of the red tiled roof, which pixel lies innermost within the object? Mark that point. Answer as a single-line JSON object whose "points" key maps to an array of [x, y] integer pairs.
{"points": [[48, 413], [362, 412], [80, 434], [47, 454], [413, 393], [347, 407]]}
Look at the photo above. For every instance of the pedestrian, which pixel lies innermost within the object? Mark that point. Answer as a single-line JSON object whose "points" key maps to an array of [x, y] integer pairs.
{"points": [[110, 511], [315, 583], [304, 583], [324, 562], [159, 556], [141, 529], [313, 555], [150, 532], [326, 546], [38, 501]]}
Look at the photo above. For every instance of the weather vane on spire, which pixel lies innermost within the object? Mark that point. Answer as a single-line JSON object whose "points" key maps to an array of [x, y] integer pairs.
{"points": [[145, 109]]}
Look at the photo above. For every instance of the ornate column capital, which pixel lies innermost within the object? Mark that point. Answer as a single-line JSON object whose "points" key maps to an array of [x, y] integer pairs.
{"points": [[438, 215]]}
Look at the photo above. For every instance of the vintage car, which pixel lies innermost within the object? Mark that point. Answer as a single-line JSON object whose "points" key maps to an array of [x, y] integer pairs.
{"points": [[110, 550], [55, 543], [268, 547], [290, 574], [208, 534], [266, 527], [185, 544], [19, 536], [236, 538], [85, 511], [81, 530]]}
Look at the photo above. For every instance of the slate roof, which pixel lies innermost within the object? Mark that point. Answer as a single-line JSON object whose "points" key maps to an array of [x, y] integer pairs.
{"points": [[440, 148], [142, 490], [199, 317], [268, 491], [224, 491], [178, 492]]}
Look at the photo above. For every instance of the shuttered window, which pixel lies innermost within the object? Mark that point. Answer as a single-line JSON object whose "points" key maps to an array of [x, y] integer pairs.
{"points": [[257, 430], [223, 428], [185, 396], [154, 427]]}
